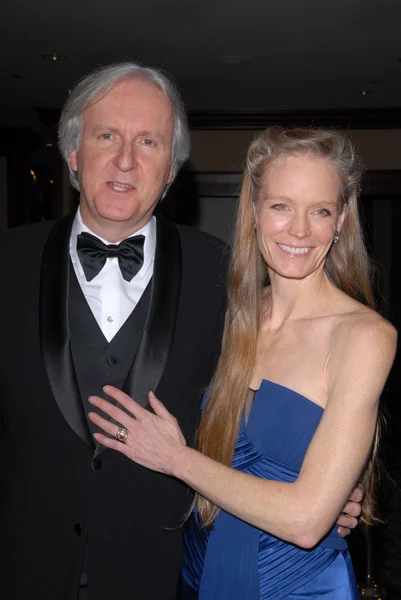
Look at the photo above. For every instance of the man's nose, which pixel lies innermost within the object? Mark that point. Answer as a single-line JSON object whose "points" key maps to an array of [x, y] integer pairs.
{"points": [[126, 157], [300, 226]]}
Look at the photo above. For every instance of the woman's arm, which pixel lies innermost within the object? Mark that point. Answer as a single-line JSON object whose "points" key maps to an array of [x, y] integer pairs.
{"points": [[300, 512]]}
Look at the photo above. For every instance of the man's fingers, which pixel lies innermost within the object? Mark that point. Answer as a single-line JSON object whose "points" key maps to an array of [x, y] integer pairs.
{"points": [[347, 521], [353, 509], [343, 531], [357, 494]]}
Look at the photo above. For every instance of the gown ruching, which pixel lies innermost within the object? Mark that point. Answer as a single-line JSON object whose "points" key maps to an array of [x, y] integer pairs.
{"points": [[236, 561]]}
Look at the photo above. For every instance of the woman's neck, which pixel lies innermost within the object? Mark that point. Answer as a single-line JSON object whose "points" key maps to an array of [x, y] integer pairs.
{"points": [[292, 299]]}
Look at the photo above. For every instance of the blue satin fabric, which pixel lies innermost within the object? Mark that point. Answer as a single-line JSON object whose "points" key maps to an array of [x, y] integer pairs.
{"points": [[237, 561]]}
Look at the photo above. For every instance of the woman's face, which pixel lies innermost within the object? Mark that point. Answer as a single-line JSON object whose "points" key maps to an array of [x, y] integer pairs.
{"points": [[296, 214]]}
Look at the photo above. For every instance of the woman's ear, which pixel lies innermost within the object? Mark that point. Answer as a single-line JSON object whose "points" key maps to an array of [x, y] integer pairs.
{"points": [[341, 218]]}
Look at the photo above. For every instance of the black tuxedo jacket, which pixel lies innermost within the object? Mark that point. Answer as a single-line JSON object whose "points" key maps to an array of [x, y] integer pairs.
{"points": [[58, 495]]}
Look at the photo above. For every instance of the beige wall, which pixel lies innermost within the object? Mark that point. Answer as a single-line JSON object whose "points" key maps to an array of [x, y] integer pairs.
{"points": [[225, 150]]}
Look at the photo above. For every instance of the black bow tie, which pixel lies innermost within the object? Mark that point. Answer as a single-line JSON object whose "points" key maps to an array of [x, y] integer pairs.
{"points": [[93, 254]]}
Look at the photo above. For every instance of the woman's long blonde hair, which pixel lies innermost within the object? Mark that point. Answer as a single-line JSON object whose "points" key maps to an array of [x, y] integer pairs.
{"points": [[347, 265]]}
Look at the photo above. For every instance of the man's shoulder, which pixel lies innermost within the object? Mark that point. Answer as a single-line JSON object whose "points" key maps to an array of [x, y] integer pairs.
{"points": [[25, 237], [204, 260], [194, 240]]}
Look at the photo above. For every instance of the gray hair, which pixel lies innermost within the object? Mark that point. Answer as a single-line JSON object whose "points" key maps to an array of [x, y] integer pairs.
{"points": [[100, 82]]}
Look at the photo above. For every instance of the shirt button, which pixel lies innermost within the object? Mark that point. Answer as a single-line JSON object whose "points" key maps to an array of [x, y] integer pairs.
{"points": [[109, 319], [111, 361]]}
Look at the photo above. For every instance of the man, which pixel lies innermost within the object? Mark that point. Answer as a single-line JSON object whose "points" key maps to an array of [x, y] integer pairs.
{"points": [[80, 310]]}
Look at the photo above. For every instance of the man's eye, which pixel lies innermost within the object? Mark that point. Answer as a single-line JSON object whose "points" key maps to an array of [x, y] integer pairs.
{"points": [[148, 142], [106, 136]]}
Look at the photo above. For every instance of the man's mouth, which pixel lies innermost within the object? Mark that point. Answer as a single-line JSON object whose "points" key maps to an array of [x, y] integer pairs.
{"points": [[117, 186]]}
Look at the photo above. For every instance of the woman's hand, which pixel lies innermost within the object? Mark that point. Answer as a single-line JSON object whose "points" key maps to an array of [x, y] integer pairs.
{"points": [[154, 439]]}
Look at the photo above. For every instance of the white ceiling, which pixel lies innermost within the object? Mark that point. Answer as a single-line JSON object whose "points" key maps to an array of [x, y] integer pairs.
{"points": [[253, 54]]}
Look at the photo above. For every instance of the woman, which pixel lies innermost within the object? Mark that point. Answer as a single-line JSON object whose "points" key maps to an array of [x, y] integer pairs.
{"points": [[288, 427]]}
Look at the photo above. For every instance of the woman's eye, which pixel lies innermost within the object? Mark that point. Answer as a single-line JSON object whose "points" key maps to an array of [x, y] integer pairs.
{"points": [[279, 206], [324, 212]]}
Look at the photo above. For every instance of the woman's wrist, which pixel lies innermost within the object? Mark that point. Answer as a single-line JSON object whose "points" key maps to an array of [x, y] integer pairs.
{"points": [[181, 461]]}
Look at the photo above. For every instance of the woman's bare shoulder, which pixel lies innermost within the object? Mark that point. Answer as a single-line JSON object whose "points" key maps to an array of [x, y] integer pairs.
{"points": [[357, 319], [365, 334], [361, 353]]}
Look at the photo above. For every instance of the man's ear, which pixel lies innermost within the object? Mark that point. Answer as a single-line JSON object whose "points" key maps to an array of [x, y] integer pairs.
{"points": [[170, 175], [72, 160]]}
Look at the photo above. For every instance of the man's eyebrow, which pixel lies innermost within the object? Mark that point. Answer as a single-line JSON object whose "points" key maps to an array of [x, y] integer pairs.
{"points": [[101, 127], [148, 133]]}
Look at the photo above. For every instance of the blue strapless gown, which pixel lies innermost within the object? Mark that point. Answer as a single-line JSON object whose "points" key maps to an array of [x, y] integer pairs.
{"points": [[236, 561]]}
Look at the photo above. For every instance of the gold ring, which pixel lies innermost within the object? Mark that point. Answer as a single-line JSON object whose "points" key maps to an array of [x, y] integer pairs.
{"points": [[122, 435]]}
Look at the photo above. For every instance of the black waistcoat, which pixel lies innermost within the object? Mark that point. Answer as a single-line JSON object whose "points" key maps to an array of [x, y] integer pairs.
{"points": [[98, 362]]}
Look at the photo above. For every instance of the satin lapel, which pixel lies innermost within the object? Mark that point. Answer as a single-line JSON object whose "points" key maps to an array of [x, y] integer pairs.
{"points": [[154, 348], [54, 329]]}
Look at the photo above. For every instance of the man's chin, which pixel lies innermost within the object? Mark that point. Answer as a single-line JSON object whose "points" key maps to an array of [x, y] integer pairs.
{"points": [[117, 212]]}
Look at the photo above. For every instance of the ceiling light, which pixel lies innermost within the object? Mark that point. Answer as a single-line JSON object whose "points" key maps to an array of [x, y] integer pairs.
{"points": [[54, 56]]}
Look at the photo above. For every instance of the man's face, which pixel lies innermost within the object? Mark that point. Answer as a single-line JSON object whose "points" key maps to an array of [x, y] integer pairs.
{"points": [[124, 159]]}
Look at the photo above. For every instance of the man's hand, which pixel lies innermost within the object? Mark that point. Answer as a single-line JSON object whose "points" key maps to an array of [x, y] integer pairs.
{"points": [[348, 519]]}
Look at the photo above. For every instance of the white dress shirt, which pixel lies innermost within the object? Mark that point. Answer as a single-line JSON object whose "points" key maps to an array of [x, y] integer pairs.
{"points": [[111, 298]]}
